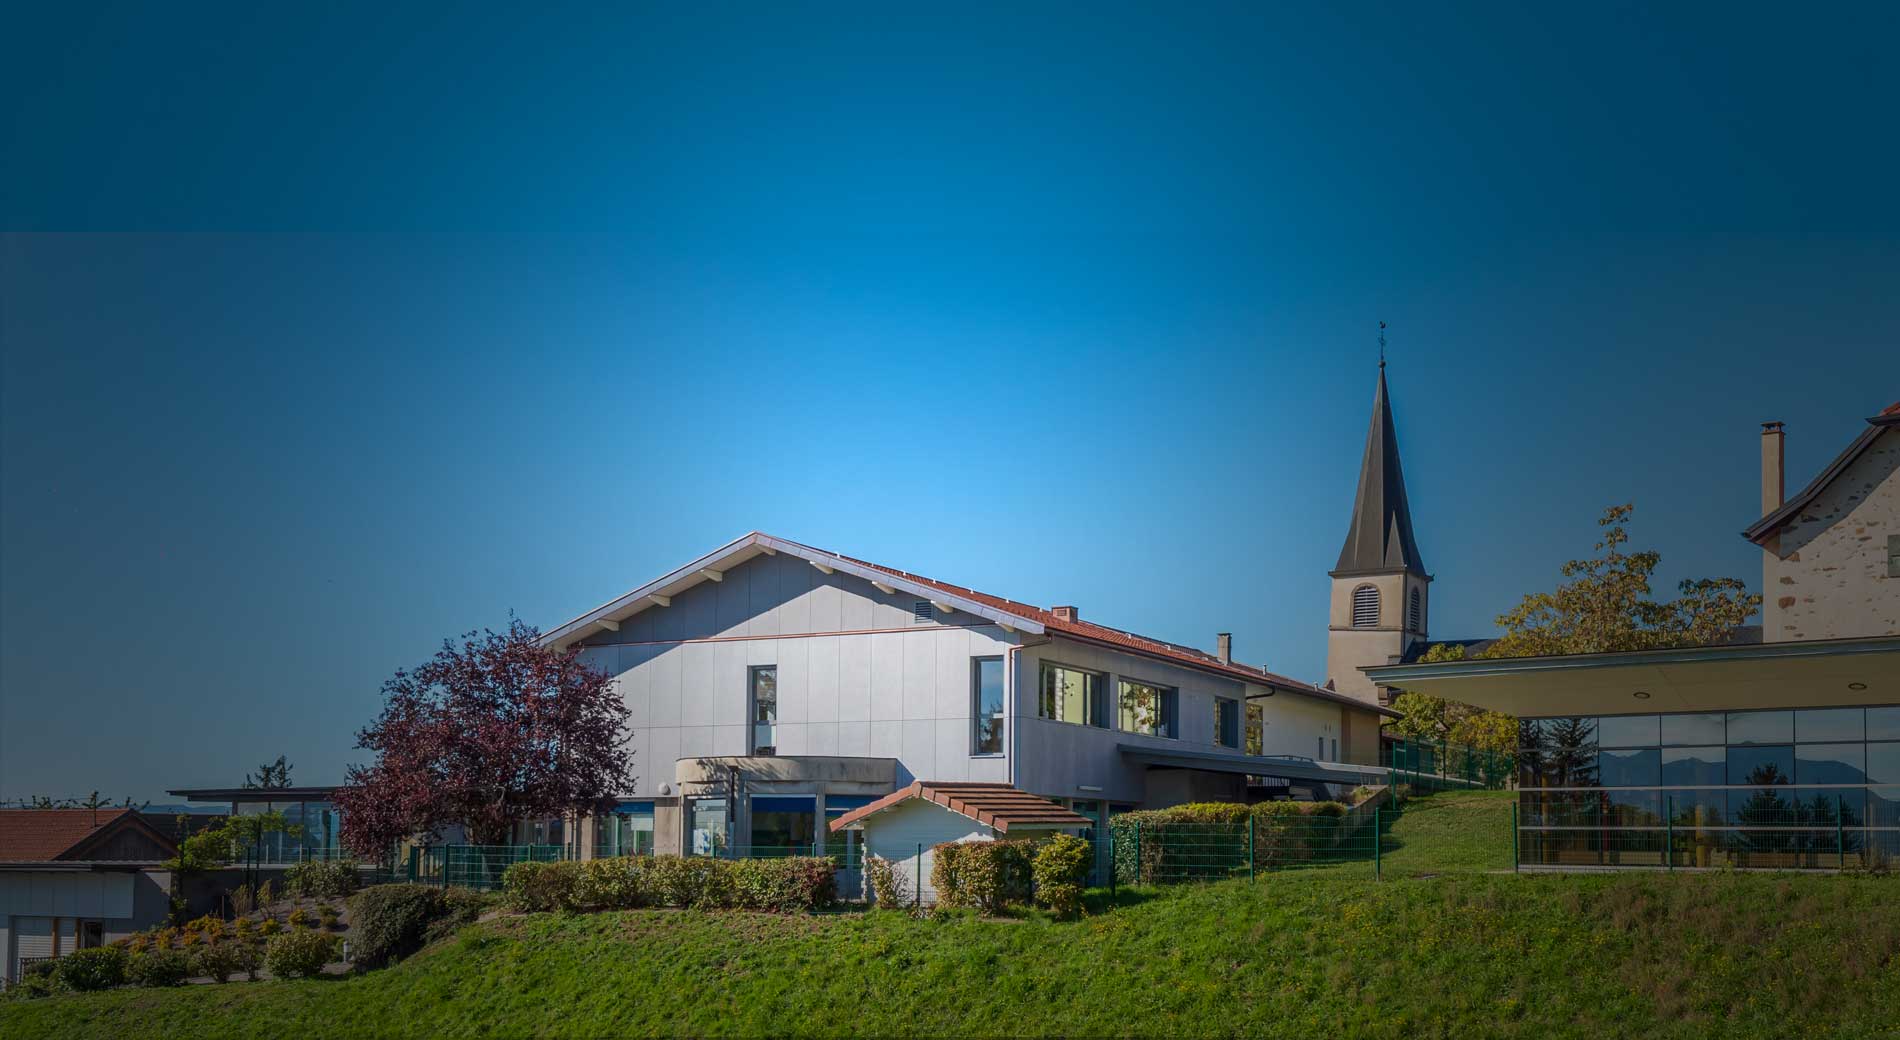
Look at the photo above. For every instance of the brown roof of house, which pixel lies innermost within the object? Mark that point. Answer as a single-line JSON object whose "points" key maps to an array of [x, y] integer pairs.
{"points": [[1761, 530], [46, 835], [994, 805], [1069, 625]]}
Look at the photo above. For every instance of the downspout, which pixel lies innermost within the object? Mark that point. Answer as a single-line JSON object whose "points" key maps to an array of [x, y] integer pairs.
{"points": [[1009, 700]]}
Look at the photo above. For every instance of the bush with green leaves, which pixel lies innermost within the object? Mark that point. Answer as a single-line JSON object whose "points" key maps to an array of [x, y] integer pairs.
{"points": [[537, 887], [392, 921], [982, 875], [1210, 840], [101, 967], [691, 881], [247, 957], [332, 879], [788, 885], [159, 968], [617, 883], [890, 884], [1062, 873], [300, 953], [220, 960], [39, 980]]}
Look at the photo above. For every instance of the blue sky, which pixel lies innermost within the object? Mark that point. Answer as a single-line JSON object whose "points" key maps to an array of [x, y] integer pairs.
{"points": [[419, 319]]}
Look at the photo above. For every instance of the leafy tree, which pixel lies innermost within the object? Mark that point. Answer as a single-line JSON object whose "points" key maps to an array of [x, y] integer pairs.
{"points": [[1604, 606], [490, 732], [269, 776]]}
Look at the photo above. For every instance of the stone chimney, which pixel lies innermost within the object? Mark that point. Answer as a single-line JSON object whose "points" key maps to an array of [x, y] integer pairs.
{"points": [[1066, 613], [1225, 641], [1774, 488]]}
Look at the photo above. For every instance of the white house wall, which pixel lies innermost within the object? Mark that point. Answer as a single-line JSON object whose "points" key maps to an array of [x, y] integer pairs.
{"points": [[857, 676], [1829, 578], [907, 833]]}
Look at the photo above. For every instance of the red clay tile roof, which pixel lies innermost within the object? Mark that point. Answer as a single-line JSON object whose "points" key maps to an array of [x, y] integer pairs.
{"points": [[44, 835], [1892, 409], [995, 805], [1116, 637]]}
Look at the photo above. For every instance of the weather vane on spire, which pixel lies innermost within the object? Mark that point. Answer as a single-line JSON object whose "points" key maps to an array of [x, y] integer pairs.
{"points": [[1382, 344]]}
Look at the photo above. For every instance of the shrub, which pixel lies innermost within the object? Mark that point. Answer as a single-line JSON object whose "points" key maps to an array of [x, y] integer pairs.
{"points": [[101, 967], [616, 883], [460, 906], [394, 921], [326, 917], [220, 960], [243, 900], [982, 875], [269, 926], [1062, 870], [535, 887], [890, 885], [159, 967], [247, 957], [298, 918], [789, 885], [318, 880], [1210, 839], [692, 881], [300, 954]]}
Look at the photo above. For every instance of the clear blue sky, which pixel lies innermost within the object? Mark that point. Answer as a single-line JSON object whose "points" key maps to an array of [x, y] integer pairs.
{"points": [[1073, 305]]}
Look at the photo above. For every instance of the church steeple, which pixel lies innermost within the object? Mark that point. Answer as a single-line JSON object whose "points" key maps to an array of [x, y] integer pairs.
{"points": [[1379, 539]]}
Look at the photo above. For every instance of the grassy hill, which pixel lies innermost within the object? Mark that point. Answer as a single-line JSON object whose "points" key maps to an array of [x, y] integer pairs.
{"points": [[1324, 952]]}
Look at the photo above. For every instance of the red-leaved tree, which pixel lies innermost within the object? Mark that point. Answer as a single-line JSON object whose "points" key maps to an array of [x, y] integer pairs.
{"points": [[490, 732]]}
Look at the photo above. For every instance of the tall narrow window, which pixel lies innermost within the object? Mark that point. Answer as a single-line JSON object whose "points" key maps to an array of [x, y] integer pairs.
{"points": [[1147, 708], [1070, 695], [1416, 613], [1226, 722], [1256, 729], [1365, 607], [764, 711], [986, 705]]}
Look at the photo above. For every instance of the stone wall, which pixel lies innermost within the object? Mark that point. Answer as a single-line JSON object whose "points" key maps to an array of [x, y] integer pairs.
{"points": [[1829, 578]]}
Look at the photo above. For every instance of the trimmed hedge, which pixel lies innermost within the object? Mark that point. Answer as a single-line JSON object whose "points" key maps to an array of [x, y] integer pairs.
{"points": [[791, 885], [1210, 839], [983, 875], [394, 921], [332, 880], [159, 968]]}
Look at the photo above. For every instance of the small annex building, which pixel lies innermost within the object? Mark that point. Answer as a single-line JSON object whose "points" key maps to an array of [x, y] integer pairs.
{"points": [[75, 878], [904, 826]]}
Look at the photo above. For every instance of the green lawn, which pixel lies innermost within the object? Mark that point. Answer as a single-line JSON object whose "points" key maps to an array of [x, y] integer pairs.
{"points": [[1311, 953]]}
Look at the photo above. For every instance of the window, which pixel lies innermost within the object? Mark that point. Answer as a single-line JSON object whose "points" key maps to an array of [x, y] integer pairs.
{"points": [[783, 826], [1416, 614], [764, 713], [1760, 727], [1226, 722], [1070, 695], [708, 822], [1149, 709], [1831, 725], [1335, 757], [1256, 729], [1629, 731], [626, 831], [986, 705], [1893, 556], [1365, 607]]}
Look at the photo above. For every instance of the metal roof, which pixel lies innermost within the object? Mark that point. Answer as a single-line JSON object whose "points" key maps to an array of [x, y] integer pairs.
{"points": [[1379, 539]]}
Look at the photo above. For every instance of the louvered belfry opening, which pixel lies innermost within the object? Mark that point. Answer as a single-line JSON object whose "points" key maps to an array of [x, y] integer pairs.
{"points": [[1365, 607]]}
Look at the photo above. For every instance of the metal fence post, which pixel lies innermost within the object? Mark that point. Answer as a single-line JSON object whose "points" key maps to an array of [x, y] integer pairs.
{"points": [[1378, 843], [1111, 863], [1517, 855], [1138, 852], [1840, 830], [1250, 846], [1669, 830], [919, 871]]}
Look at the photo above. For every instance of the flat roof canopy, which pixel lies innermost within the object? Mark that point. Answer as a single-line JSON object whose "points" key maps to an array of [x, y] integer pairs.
{"points": [[1823, 673]]}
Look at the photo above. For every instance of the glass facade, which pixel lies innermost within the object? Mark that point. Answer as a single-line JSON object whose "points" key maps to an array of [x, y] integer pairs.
{"points": [[627, 831], [783, 825], [1811, 787], [312, 830]]}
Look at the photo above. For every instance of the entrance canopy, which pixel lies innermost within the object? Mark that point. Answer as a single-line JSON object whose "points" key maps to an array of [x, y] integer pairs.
{"points": [[1832, 673]]}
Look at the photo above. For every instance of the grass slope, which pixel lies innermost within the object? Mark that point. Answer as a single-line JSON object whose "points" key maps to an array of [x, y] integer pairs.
{"points": [[1301, 954]]}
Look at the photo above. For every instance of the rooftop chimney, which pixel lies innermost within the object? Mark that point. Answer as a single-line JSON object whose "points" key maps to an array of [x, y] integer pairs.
{"points": [[1225, 641], [1066, 613], [1773, 470]]}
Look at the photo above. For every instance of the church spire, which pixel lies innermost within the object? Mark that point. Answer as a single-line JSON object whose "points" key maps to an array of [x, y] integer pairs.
{"points": [[1380, 537]]}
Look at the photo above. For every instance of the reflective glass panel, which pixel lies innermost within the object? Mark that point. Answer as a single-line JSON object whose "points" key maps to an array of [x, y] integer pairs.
{"points": [[1637, 767], [1883, 723], [1760, 727], [1694, 729], [1883, 807], [1761, 807], [1830, 763], [1634, 808], [1707, 808], [1760, 765], [1628, 731], [1819, 725], [1883, 763], [1694, 766]]}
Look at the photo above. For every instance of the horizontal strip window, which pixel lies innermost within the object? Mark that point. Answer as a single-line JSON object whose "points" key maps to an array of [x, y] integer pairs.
{"points": [[1072, 695]]}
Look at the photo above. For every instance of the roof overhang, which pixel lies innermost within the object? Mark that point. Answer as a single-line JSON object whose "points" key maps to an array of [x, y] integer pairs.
{"points": [[253, 794], [1700, 678], [1762, 530], [658, 594], [1282, 766]]}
